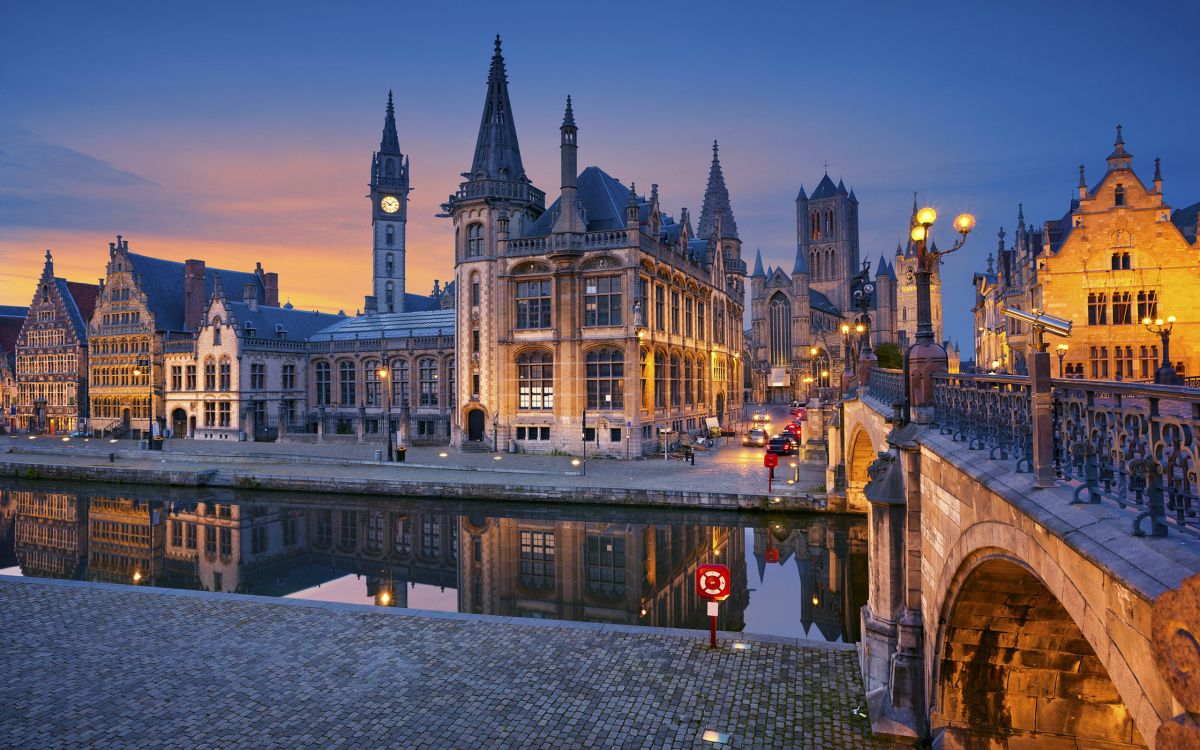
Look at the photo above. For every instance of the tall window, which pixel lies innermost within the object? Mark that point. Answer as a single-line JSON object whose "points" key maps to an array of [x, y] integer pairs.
{"points": [[210, 414], [1122, 308], [176, 377], [428, 381], [646, 364], [676, 381], [225, 374], [288, 377], [216, 331], [660, 308], [210, 375], [780, 334], [323, 381], [1119, 195], [474, 240], [372, 394], [660, 380], [258, 376], [1149, 361], [1097, 308], [674, 312], [431, 537], [190, 381], [224, 413], [688, 326], [605, 379], [533, 304], [389, 236], [346, 383], [602, 301], [1120, 261], [604, 560], [699, 319], [701, 366], [1147, 305], [400, 382], [537, 560], [535, 381]]}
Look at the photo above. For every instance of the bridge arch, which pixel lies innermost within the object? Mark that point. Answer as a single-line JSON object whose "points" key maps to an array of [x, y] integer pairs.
{"points": [[1020, 652]]}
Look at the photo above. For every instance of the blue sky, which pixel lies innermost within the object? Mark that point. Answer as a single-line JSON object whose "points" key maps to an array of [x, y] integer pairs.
{"points": [[244, 133]]}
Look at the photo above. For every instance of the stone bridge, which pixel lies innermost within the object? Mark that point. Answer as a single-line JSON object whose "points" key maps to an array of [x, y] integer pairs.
{"points": [[1001, 613]]}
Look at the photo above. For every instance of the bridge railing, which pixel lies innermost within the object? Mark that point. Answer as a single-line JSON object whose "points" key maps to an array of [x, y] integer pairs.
{"points": [[886, 385], [1129, 443]]}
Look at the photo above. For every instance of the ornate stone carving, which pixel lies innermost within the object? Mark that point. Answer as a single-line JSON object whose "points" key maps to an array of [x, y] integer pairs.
{"points": [[1175, 632]]}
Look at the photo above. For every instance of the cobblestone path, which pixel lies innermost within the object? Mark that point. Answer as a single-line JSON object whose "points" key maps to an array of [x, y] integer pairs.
{"points": [[103, 666]]}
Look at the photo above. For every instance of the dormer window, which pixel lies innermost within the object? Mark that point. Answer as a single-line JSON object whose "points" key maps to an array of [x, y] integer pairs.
{"points": [[1119, 195], [251, 333]]}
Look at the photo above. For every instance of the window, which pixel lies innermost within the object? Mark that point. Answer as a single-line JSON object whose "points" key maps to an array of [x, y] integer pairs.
{"points": [[604, 559], [474, 292], [224, 413], [674, 312], [602, 301], [402, 535], [191, 536], [176, 533], [288, 377], [660, 308], [190, 377], [533, 433], [348, 529], [373, 395], [258, 540], [431, 537], [226, 541], [346, 383], [258, 376], [324, 385], [660, 380], [400, 382], [676, 381], [645, 380], [687, 317], [475, 339], [216, 331], [614, 434], [687, 380], [225, 373], [389, 237], [1120, 261], [699, 319], [533, 304], [210, 541], [474, 240], [1122, 308], [535, 380], [289, 531], [537, 560], [1097, 308], [428, 381], [605, 369], [210, 375], [324, 527], [1119, 195], [1147, 305], [210, 413], [176, 377]]}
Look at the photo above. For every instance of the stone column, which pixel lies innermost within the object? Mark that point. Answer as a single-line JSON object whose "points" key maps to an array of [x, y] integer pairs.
{"points": [[1042, 414], [362, 423]]}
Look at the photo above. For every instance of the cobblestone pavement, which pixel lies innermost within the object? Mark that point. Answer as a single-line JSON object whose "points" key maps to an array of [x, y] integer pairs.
{"points": [[104, 666]]}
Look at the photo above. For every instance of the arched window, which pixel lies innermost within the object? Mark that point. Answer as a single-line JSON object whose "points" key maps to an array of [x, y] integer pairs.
{"points": [[427, 376], [535, 380], [701, 368], [372, 395], [647, 395], [660, 379], [1119, 195], [687, 381], [389, 294], [814, 264], [322, 381], [676, 381], [400, 382], [780, 330], [605, 379], [346, 383], [474, 240], [820, 369], [216, 331], [389, 234]]}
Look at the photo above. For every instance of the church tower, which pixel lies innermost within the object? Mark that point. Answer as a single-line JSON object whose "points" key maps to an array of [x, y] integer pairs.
{"points": [[389, 214], [827, 238]]}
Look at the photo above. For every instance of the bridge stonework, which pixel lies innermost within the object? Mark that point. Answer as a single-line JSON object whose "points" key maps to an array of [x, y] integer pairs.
{"points": [[1000, 615]]}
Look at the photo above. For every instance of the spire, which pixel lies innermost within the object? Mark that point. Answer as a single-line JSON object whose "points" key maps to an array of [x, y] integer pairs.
{"points": [[569, 115], [1082, 178], [1119, 158], [758, 268], [1001, 235], [569, 219], [801, 196], [716, 199], [48, 268], [497, 153], [801, 264], [1157, 175], [841, 188], [1020, 216], [390, 143], [881, 266]]}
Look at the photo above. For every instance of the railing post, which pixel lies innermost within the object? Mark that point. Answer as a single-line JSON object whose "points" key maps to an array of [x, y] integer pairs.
{"points": [[1042, 417]]}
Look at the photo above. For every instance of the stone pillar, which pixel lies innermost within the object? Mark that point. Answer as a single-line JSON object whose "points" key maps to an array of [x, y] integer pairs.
{"points": [[362, 424], [1042, 413], [925, 359], [866, 361], [321, 425]]}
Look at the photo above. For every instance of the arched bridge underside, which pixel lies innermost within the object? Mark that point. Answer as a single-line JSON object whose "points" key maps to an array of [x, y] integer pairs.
{"points": [[1034, 614]]}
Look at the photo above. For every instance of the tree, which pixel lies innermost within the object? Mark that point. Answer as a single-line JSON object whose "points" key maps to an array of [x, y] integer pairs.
{"points": [[889, 356]]}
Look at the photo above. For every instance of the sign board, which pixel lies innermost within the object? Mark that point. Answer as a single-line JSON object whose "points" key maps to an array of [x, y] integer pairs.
{"points": [[713, 582], [779, 378], [770, 460]]}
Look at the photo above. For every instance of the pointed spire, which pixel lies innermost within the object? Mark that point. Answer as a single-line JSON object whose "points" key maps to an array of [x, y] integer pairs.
{"points": [[390, 143], [1001, 236], [758, 266], [1157, 175], [801, 196], [48, 268], [841, 188], [801, 264], [853, 197], [716, 199], [1119, 158], [497, 153], [569, 115], [1020, 216], [1082, 178], [881, 266], [991, 261]]}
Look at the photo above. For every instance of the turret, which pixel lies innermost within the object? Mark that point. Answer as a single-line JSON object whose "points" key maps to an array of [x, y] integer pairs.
{"points": [[1119, 158], [1158, 176], [568, 219]]}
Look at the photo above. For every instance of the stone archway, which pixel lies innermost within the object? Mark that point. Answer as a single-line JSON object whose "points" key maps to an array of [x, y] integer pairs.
{"points": [[1013, 666], [179, 423], [475, 425], [860, 453]]}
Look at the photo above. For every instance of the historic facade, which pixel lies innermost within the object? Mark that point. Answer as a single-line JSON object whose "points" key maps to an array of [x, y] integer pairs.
{"points": [[1120, 254], [52, 355], [600, 319], [389, 216], [146, 303], [244, 375], [12, 318]]}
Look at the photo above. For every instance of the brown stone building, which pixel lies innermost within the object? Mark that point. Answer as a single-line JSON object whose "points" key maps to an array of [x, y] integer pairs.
{"points": [[1120, 254], [52, 355], [601, 303], [11, 320]]}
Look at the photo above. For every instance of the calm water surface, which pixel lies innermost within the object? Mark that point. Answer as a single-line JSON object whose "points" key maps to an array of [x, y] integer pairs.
{"points": [[794, 575]]}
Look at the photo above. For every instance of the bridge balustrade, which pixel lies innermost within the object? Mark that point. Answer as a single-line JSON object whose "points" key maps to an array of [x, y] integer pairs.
{"points": [[1127, 443]]}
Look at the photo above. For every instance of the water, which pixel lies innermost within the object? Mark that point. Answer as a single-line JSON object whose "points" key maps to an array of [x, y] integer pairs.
{"points": [[793, 575]]}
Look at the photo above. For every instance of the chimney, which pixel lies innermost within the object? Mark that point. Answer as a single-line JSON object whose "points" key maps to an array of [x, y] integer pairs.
{"points": [[271, 289], [250, 295], [193, 294]]}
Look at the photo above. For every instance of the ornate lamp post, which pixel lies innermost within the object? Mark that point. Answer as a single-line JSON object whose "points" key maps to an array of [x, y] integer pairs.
{"points": [[1165, 374], [926, 356], [145, 366], [385, 385], [1062, 352], [496, 432]]}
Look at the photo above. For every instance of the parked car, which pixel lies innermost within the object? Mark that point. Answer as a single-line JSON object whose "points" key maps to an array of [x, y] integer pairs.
{"points": [[755, 437], [80, 433], [781, 445], [760, 415]]}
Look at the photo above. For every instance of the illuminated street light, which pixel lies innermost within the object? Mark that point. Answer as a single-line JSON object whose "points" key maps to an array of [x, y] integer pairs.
{"points": [[1165, 374], [1062, 352]]}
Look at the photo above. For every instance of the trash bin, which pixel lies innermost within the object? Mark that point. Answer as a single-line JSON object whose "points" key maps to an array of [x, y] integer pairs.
{"points": [[156, 444], [378, 455], [144, 445], [400, 451]]}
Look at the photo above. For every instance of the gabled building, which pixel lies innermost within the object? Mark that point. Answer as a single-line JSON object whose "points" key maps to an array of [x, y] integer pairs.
{"points": [[601, 305], [11, 320], [52, 355], [145, 305]]}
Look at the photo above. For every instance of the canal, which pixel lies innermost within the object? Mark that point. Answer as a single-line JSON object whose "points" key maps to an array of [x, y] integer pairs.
{"points": [[797, 575]]}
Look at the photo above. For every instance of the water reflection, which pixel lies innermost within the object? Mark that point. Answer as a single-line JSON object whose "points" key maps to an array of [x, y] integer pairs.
{"points": [[794, 575]]}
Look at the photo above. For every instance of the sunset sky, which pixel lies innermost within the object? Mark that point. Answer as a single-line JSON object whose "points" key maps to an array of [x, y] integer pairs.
{"points": [[245, 133]]}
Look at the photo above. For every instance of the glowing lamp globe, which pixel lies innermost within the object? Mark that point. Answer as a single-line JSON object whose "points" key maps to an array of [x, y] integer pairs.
{"points": [[918, 234], [845, 328], [1146, 321], [1158, 322], [859, 328], [964, 223], [1170, 318], [926, 216]]}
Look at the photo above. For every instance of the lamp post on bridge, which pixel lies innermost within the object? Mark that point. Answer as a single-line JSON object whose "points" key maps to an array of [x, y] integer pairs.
{"points": [[1061, 349], [1165, 374]]}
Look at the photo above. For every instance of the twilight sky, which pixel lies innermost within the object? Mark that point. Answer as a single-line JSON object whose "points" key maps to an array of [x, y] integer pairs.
{"points": [[237, 134]]}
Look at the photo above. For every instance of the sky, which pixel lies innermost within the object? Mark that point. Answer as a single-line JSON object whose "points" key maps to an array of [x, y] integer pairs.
{"points": [[243, 132]]}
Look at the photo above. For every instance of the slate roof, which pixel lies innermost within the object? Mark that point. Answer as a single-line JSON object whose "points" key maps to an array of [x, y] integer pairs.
{"points": [[80, 301], [885, 269], [758, 266], [716, 198], [801, 264], [819, 301], [1185, 219], [13, 311], [391, 325], [825, 189], [602, 198], [297, 324], [162, 282], [11, 320], [497, 153]]}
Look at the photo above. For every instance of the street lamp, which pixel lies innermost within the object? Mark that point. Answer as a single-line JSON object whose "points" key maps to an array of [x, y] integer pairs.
{"points": [[382, 372], [1062, 352], [1165, 374], [995, 366], [144, 366], [808, 381], [496, 432], [927, 261]]}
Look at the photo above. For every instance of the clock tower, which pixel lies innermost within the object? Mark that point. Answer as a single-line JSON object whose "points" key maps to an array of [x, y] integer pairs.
{"points": [[389, 214]]}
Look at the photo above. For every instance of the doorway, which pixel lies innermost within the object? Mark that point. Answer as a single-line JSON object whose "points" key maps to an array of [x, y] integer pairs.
{"points": [[179, 423], [475, 425]]}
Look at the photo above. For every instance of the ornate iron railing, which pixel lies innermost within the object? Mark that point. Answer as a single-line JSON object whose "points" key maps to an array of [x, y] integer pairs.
{"points": [[987, 412], [886, 385]]}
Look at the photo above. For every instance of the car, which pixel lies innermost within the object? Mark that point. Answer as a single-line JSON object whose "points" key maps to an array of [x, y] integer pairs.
{"points": [[80, 434], [760, 416], [755, 437], [800, 413], [781, 445]]}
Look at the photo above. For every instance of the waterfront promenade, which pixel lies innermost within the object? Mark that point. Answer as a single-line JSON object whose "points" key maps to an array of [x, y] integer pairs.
{"points": [[108, 666]]}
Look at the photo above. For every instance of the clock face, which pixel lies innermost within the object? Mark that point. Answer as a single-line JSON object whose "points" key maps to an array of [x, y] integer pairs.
{"points": [[389, 204]]}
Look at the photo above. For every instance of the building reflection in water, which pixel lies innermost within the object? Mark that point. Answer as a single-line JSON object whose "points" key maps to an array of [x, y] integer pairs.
{"points": [[559, 562]]}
